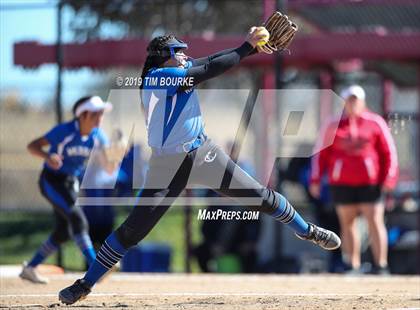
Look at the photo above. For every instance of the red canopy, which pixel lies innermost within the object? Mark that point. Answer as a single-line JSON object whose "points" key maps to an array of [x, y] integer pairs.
{"points": [[320, 49]]}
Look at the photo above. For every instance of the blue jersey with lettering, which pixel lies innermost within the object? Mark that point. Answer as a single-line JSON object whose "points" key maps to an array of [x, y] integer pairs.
{"points": [[173, 115], [66, 141]]}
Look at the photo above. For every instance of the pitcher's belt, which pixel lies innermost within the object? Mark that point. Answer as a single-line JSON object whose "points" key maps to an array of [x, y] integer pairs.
{"points": [[183, 148]]}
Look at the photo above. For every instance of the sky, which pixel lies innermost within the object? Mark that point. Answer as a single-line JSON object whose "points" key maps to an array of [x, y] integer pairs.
{"points": [[38, 22]]}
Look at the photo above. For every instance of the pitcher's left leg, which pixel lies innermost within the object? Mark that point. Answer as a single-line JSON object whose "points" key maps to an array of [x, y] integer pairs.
{"points": [[238, 184]]}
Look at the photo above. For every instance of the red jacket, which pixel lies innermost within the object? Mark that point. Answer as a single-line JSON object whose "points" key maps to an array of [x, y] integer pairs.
{"points": [[356, 151]]}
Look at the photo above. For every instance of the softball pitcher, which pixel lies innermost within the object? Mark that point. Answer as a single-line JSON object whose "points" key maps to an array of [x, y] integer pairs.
{"points": [[183, 154], [70, 145]]}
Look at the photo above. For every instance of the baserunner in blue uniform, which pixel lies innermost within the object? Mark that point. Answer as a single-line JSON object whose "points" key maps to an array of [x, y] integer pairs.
{"points": [[70, 145], [182, 154]]}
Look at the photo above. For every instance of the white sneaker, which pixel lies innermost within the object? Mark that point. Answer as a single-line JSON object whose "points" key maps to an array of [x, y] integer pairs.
{"points": [[325, 238], [29, 273]]}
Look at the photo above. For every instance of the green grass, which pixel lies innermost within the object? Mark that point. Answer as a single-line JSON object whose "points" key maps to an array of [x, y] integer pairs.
{"points": [[21, 233]]}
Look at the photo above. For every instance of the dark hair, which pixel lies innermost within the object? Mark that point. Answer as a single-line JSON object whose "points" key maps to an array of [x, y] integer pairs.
{"points": [[78, 103], [157, 44]]}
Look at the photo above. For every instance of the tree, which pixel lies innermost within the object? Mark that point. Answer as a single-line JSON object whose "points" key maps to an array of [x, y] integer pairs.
{"points": [[154, 17]]}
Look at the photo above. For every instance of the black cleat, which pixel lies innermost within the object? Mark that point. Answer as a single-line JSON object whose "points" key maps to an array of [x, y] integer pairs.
{"points": [[381, 271], [75, 292], [326, 239]]}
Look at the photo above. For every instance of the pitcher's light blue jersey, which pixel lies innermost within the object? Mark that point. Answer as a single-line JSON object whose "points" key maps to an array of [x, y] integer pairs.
{"points": [[173, 115]]}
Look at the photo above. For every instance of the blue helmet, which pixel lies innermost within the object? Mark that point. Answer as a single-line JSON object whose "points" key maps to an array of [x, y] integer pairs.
{"points": [[169, 49]]}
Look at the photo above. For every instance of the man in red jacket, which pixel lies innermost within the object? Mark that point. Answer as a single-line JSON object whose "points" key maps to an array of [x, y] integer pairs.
{"points": [[361, 164]]}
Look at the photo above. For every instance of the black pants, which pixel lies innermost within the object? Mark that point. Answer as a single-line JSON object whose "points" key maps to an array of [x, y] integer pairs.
{"points": [[61, 191], [168, 175]]}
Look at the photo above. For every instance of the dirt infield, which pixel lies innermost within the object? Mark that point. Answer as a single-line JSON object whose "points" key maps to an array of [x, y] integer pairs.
{"points": [[178, 291]]}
